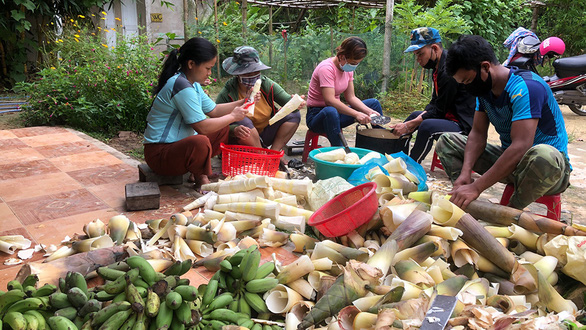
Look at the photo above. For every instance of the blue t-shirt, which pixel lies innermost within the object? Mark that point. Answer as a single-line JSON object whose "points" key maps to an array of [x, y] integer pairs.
{"points": [[526, 96], [177, 105]]}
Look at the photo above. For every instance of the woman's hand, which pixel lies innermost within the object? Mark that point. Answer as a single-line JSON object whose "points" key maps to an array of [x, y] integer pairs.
{"points": [[362, 118], [239, 113], [303, 104], [256, 97], [206, 82], [242, 132]]}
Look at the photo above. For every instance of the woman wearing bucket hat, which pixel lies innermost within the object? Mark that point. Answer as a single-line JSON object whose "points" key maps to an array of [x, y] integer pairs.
{"points": [[326, 113], [184, 126], [246, 66]]}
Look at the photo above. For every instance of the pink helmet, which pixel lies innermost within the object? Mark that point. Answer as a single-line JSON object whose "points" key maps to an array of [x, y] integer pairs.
{"points": [[552, 46]]}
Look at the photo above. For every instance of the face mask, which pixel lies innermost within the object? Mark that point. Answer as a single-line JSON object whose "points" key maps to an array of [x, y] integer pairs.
{"points": [[431, 64], [479, 87], [348, 67], [249, 81]]}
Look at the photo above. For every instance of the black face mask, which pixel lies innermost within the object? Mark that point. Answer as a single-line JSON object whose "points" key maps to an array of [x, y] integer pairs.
{"points": [[479, 87], [431, 64]]}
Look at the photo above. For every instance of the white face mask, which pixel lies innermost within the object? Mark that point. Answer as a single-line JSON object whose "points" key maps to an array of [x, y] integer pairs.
{"points": [[249, 81]]}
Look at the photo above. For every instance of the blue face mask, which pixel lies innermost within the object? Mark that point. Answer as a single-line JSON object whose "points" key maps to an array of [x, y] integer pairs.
{"points": [[249, 81], [348, 67]]}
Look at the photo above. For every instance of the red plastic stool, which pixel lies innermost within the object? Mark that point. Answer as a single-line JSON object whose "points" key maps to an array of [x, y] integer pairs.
{"points": [[311, 140], [552, 202], [435, 162]]}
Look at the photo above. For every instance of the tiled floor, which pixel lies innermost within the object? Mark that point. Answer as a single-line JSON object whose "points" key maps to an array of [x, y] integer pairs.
{"points": [[55, 180]]}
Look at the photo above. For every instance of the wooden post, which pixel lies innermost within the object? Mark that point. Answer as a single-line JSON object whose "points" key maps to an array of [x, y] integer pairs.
{"points": [[244, 14], [185, 18], [217, 36], [387, 44], [270, 35], [420, 86], [332, 40]]}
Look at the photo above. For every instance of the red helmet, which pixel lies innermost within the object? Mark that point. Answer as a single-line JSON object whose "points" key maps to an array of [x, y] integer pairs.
{"points": [[552, 46]]}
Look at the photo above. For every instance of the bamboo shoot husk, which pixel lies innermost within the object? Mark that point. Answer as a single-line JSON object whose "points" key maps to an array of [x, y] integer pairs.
{"points": [[395, 165], [117, 228], [506, 216], [246, 196], [295, 270], [200, 248], [506, 287], [516, 247], [462, 254], [288, 210], [394, 215], [269, 210], [181, 250], [443, 246], [322, 251], [356, 239], [347, 252], [411, 290], [418, 253], [486, 266], [302, 242], [448, 233], [243, 225], [410, 271], [445, 213], [499, 231], [303, 287], [322, 264], [546, 265], [524, 236], [90, 244], [273, 238], [295, 187], [421, 196], [247, 242], [200, 234], [542, 240], [314, 278], [228, 187], [94, 228], [199, 202], [291, 223], [281, 299], [258, 230], [365, 303], [62, 252], [227, 232], [209, 215], [286, 109], [297, 313], [549, 296], [531, 257]]}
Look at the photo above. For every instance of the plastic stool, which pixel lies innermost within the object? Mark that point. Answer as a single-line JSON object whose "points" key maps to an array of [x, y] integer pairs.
{"points": [[553, 203], [435, 162], [311, 140]]}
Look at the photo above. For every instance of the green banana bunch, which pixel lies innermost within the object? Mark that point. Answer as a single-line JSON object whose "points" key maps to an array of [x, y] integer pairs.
{"points": [[45, 290], [147, 272], [134, 297], [153, 303], [116, 321], [105, 313], [179, 268]]}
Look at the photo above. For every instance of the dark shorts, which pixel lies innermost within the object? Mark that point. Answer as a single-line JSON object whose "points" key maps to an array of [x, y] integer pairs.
{"points": [[267, 136]]}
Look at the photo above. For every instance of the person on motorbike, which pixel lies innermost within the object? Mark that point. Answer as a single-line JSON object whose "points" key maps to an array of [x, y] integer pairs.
{"points": [[534, 144], [450, 109]]}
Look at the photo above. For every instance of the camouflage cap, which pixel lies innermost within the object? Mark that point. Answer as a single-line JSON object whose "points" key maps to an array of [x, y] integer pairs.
{"points": [[422, 37], [244, 60]]}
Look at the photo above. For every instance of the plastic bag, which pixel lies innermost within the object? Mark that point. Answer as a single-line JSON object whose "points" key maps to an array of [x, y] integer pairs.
{"points": [[359, 175]]}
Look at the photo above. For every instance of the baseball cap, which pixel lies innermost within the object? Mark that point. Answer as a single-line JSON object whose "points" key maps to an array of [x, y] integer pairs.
{"points": [[422, 37], [244, 60]]}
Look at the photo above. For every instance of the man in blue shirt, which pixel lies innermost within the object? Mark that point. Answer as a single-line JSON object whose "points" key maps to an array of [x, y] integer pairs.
{"points": [[534, 144]]}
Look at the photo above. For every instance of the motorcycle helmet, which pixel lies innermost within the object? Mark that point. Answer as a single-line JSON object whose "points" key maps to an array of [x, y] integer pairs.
{"points": [[552, 46], [528, 45]]}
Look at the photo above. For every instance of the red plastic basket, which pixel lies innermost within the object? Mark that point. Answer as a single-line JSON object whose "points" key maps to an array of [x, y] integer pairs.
{"points": [[347, 211], [243, 159]]}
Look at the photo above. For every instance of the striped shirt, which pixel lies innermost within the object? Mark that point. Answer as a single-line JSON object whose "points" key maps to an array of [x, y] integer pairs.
{"points": [[526, 96]]}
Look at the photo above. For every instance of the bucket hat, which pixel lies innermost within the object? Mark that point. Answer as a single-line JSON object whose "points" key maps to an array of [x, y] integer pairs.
{"points": [[244, 60], [422, 37]]}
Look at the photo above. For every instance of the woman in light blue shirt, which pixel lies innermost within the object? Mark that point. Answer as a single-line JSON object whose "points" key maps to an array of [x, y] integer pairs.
{"points": [[184, 126]]}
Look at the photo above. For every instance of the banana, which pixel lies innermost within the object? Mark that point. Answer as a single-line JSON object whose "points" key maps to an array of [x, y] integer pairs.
{"points": [[78, 321], [31, 322], [221, 301], [233, 306], [237, 257], [41, 323], [185, 266], [91, 305], [140, 283], [236, 273], [77, 297], [115, 321], [105, 313], [244, 307], [120, 297], [187, 292], [45, 290], [216, 325], [76, 280], [68, 312], [104, 296], [87, 325], [59, 300], [230, 283], [183, 281], [140, 322], [109, 273], [265, 269], [14, 285], [173, 300], [30, 280], [129, 324], [134, 298], [119, 284], [26, 304], [247, 323], [152, 303], [120, 265], [225, 266], [177, 325], [61, 323], [10, 298], [29, 290], [210, 292], [62, 285], [147, 272], [256, 326], [171, 281], [174, 269], [183, 314], [250, 268], [266, 327], [164, 318], [224, 315], [15, 320], [261, 285], [255, 302]]}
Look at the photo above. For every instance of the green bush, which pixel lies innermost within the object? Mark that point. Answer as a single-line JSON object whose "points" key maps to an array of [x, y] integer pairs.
{"points": [[87, 85]]}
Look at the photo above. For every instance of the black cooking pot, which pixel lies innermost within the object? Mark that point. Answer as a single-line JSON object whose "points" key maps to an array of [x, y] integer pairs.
{"points": [[381, 140]]}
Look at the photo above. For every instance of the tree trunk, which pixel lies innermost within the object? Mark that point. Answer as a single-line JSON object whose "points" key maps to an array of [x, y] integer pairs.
{"points": [[387, 44]]}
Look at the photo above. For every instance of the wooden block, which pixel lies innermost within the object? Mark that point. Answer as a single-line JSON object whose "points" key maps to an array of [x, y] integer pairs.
{"points": [[142, 196], [145, 174]]}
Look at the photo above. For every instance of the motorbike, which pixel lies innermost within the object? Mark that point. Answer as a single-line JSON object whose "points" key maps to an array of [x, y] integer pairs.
{"points": [[569, 82]]}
